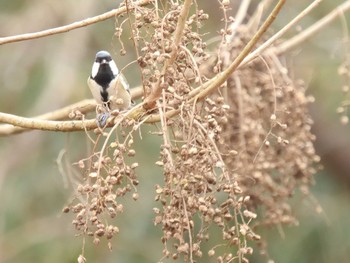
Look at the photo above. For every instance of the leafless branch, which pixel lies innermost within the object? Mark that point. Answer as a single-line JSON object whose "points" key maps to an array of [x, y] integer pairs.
{"points": [[16, 124], [75, 25], [199, 93]]}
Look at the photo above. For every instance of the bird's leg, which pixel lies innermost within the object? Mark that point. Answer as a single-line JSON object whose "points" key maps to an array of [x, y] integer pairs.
{"points": [[102, 115]]}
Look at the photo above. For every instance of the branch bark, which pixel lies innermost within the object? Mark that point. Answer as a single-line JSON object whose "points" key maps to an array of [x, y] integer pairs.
{"points": [[84, 106]]}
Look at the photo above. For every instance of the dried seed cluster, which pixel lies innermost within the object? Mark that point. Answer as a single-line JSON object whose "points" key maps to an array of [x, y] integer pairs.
{"points": [[154, 32], [231, 162], [107, 178], [269, 124]]}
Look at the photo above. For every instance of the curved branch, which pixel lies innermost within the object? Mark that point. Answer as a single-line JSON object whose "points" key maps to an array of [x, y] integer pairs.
{"points": [[69, 27]]}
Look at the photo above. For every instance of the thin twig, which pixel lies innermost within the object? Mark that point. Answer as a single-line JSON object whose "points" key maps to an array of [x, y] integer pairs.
{"points": [[312, 30], [69, 27], [219, 79], [280, 33], [241, 14]]}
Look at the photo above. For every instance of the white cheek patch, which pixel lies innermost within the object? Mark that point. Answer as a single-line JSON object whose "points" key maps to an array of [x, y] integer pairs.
{"points": [[114, 67], [95, 68]]}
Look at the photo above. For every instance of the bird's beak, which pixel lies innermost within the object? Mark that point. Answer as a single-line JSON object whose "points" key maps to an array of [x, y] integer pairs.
{"points": [[104, 61]]}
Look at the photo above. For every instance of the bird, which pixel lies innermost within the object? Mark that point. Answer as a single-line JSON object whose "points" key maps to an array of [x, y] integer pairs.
{"points": [[108, 85]]}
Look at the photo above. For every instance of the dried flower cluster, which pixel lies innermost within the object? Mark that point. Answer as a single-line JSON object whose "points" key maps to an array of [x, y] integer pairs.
{"points": [[269, 127], [157, 47], [230, 161], [108, 177]]}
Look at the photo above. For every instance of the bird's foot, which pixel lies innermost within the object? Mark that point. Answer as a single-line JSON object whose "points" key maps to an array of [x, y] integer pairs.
{"points": [[102, 118]]}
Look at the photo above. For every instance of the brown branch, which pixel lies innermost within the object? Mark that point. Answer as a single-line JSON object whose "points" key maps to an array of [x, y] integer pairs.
{"points": [[69, 27], [61, 114], [65, 126], [150, 100], [38, 124]]}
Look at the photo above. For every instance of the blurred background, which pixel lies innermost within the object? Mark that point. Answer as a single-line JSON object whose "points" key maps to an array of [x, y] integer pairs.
{"points": [[45, 74]]}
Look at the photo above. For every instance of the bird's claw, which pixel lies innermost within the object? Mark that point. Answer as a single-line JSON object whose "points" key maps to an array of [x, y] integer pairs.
{"points": [[102, 118]]}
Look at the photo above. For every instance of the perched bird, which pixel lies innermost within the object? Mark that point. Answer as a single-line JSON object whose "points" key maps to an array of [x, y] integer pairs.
{"points": [[108, 86]]}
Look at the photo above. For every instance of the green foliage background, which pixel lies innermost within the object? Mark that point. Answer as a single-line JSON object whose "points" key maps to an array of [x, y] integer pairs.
{"points": [[41, 75]]}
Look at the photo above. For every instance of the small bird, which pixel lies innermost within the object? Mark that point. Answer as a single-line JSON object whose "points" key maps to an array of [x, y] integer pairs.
{"points": [[108, 86]]}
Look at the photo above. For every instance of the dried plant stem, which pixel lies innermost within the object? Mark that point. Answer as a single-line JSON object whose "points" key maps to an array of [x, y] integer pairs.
{"points": [[241, 14], [150, 100], [257, 52], [312, 30], [75, 25], [218, 80]]}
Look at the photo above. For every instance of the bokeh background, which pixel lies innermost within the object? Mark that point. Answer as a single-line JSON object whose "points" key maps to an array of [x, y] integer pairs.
{"points": [[45, 74]]}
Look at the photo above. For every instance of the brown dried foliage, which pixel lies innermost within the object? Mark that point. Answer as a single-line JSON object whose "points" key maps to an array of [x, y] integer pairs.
{"points": [[230, 162]]}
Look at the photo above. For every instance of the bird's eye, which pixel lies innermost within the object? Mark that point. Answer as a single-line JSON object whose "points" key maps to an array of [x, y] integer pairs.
{"points": [[103, 59]]}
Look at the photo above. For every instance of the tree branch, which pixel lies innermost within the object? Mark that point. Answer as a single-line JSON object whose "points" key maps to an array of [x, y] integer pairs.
{"points": [[38, 124], [84, 106], [69, 27]]}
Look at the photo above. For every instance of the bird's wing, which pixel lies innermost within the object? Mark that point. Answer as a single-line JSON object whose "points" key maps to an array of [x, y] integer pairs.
{"points": [[123, 81], [95, 90]]}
